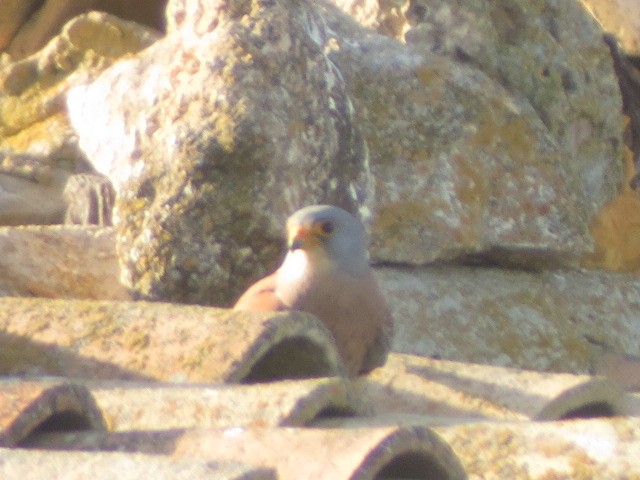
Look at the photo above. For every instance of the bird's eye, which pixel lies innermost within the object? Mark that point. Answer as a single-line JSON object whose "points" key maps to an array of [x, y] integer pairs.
{"points": [[326, 227]]}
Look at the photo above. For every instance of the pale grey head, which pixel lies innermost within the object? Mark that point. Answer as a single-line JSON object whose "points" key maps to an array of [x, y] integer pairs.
{"points": [[339, 233]]}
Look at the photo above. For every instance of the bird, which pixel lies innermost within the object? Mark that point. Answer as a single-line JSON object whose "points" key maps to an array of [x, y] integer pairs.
{"points": [[326, 272]]}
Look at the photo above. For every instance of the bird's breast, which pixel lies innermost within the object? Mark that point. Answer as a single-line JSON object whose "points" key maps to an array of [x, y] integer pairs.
{"points": [[293, 278], [301, 273], [293, 268]]}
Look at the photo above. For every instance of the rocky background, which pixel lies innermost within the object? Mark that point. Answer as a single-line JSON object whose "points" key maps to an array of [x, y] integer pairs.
{"points": [[487, 145]]}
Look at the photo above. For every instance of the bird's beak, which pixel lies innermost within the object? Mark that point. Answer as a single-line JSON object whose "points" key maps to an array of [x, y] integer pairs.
{"points": [[301, 237]]}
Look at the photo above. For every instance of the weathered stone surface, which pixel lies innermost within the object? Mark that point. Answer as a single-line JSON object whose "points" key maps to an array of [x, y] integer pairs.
{"points": [[59, 262], [38, 84], [461, 165], [632, 404], [629, 80], [387, 17], [550, 54], [546, 321], [38, 148], [616, 229], [31, 187], [554, 107], [584, 449], [624, 369], [212, 137], [26, 26], [621, 18], [89, 200]]}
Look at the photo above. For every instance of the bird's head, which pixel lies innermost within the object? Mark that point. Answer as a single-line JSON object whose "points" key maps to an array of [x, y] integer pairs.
{"points": [[328, 233]]}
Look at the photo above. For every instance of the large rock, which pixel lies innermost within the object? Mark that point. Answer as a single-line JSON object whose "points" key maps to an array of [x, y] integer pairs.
{"points": [[465, 168], [553, 67], [212, 137], [27, 25], [546, 53], [550, 54], [462, 166], [38, 147]]}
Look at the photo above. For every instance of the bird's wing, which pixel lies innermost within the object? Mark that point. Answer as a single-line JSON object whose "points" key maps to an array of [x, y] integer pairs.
{"points": [[355, 311], [261, 297], [376, 354]]}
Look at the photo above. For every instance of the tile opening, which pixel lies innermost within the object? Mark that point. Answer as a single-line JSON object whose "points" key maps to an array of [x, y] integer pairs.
{"points": [[294, 357], [332, 412], [59, 422], [415, 465], [590, 410]]}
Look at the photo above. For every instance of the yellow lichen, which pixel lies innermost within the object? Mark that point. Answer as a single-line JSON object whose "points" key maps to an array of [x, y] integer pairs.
{"points": [[392, 221], [475, 190], [616, 229], [513, 137]]}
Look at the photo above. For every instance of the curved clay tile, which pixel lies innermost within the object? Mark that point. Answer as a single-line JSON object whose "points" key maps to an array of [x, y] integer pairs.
{"points": [[60, 261], [354, 453], [37, 465], [157, 341], [415, 385], [140, 406], [29, 407], [357, 451]]}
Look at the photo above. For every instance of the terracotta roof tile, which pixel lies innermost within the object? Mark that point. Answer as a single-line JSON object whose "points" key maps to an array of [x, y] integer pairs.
{"points": [[26, 406], [38, 465], [151, 390], [410, 384], [156, 341], [126, 406], [58, 261], [364, 453]]}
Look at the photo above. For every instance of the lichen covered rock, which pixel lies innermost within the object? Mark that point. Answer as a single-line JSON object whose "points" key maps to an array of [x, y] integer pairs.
{"points": [[546, 53], [464, 167], [212, 137], [38, 147]]}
